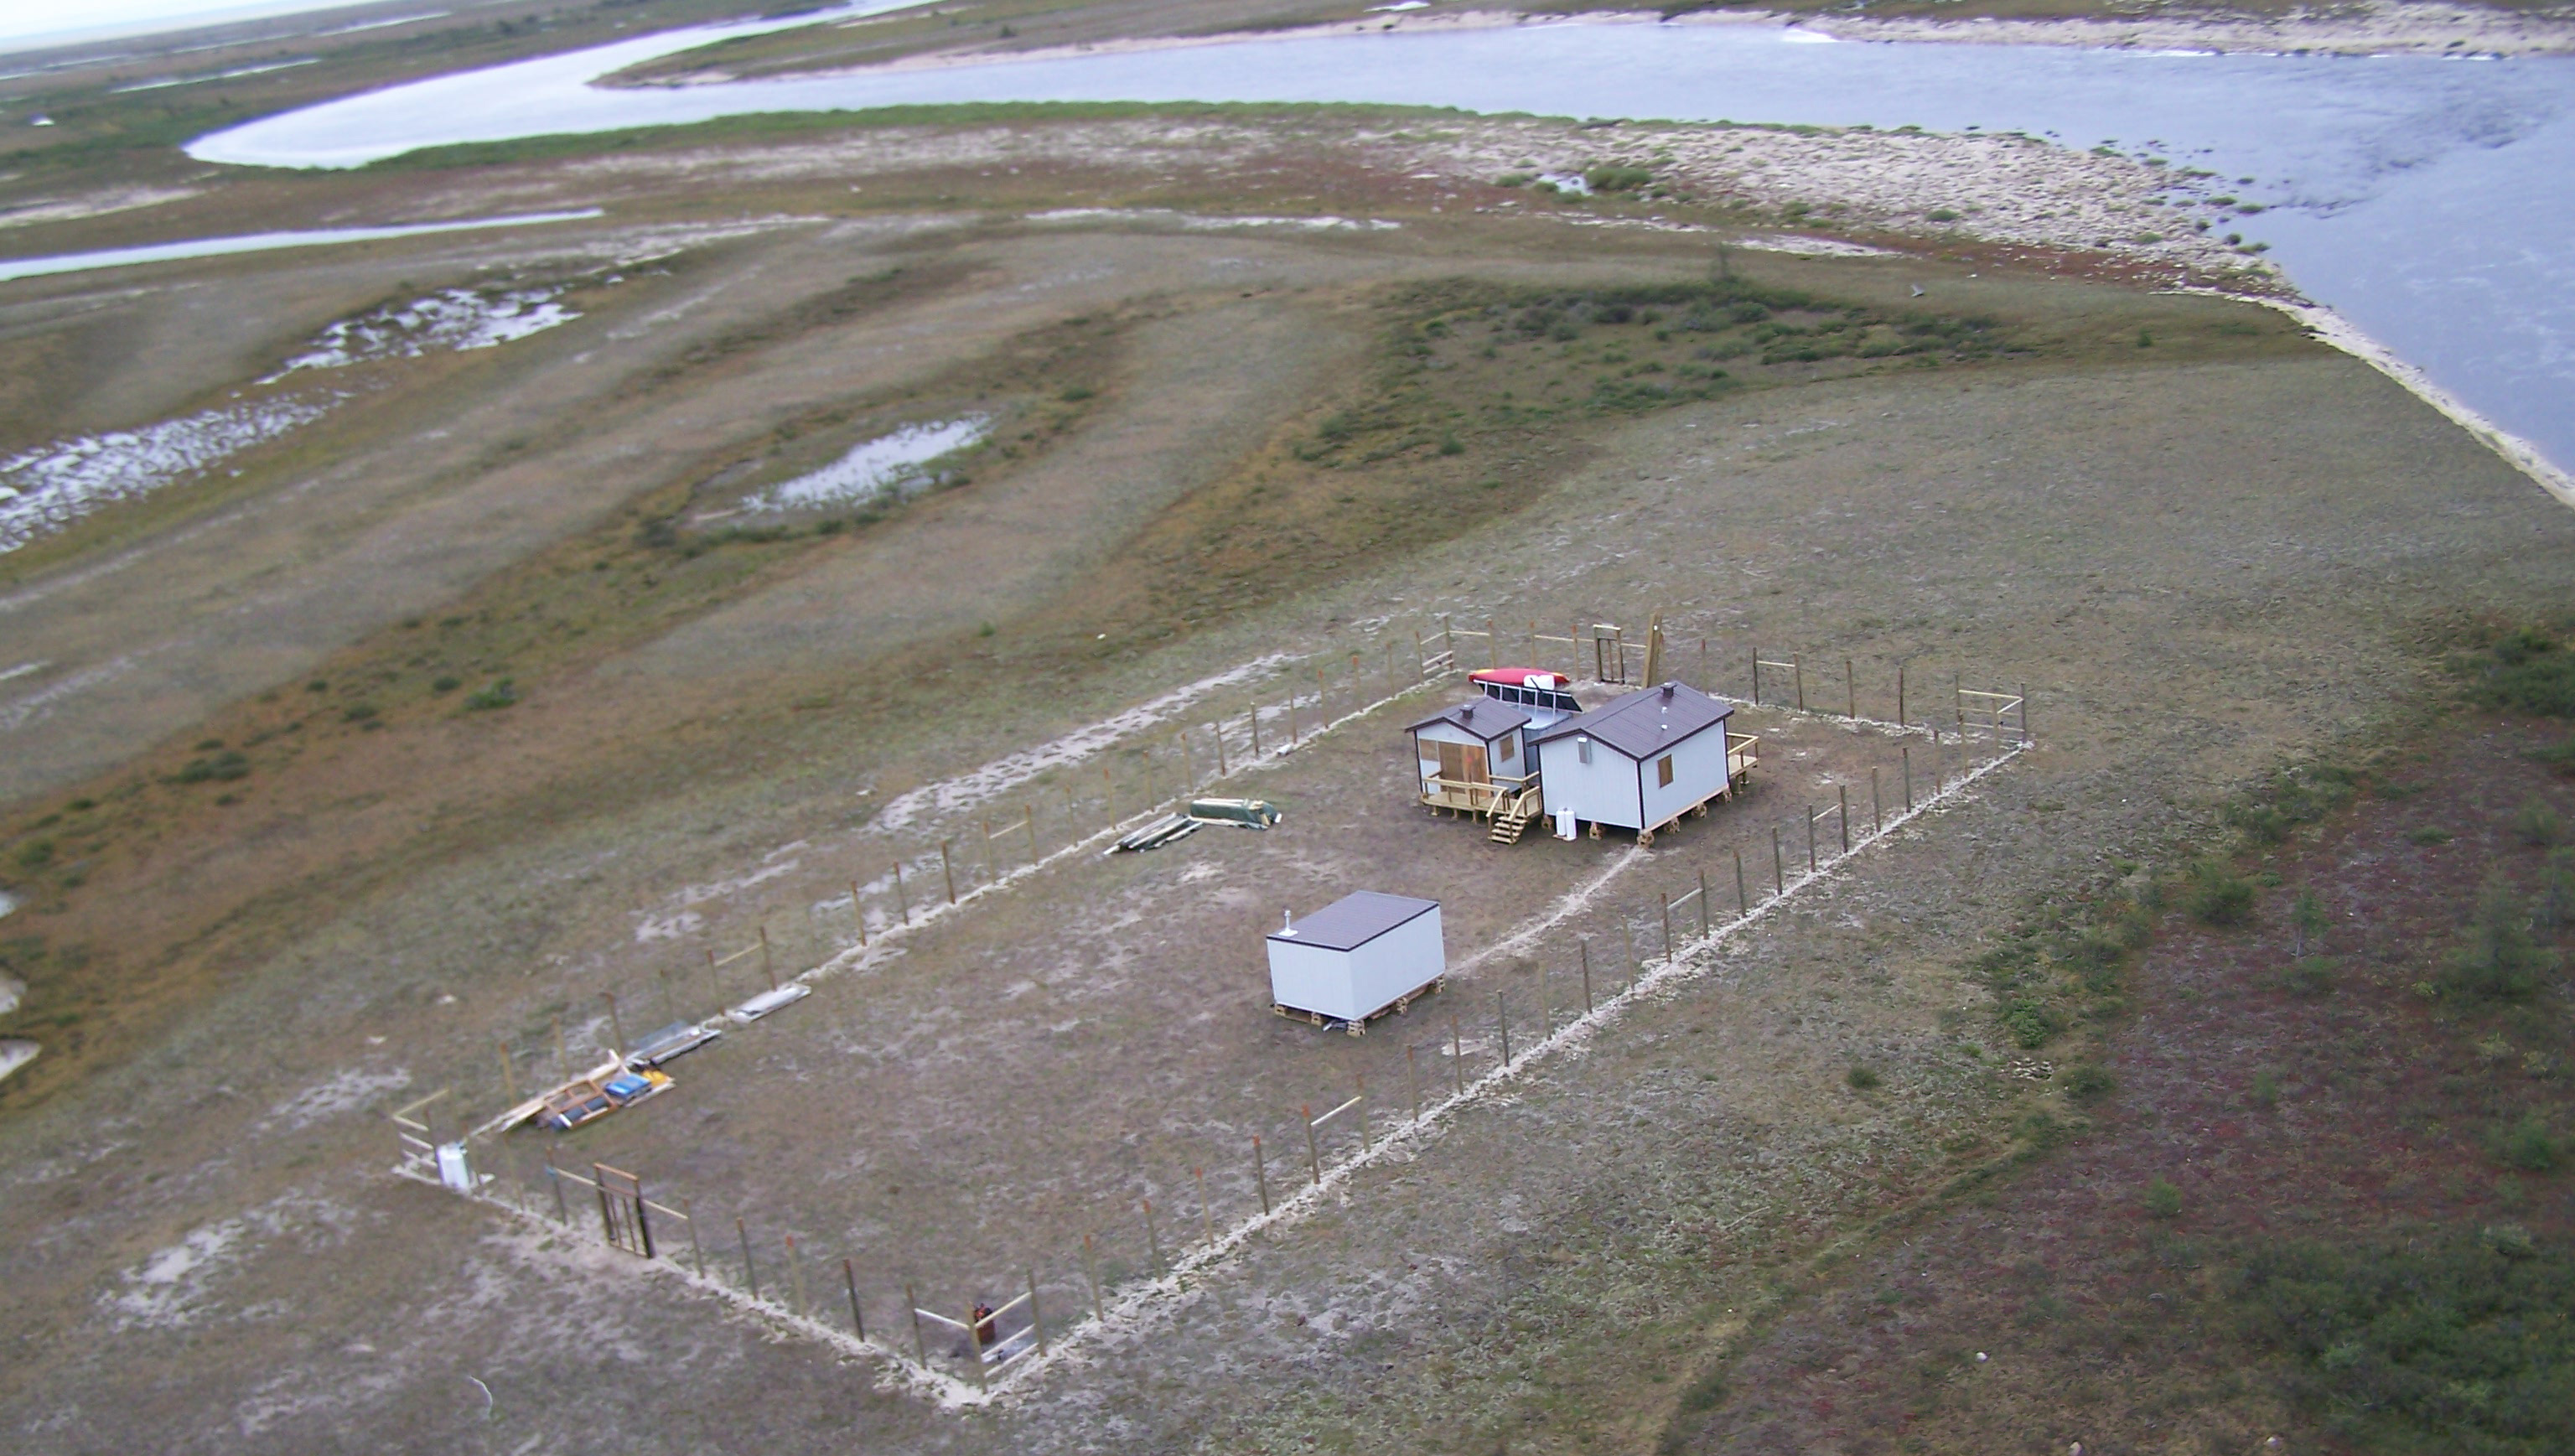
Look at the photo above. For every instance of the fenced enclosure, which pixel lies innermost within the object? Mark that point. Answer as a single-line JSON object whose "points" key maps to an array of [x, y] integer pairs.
{"points": [[1648, 920]]}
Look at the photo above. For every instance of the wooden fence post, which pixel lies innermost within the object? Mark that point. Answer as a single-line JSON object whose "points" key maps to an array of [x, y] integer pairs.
{"points": [[1850, 687], [1756, 677], [1778, 866], [1810, 838], [1905, 752], [1261, 1174], [766, 970], [1742, 901], [1036, 1321], [901, 900], [1706, 923], [697, 1253], [1583, 948], [1255, 715], [1842, 795], [1668, 925], [1313, 1152], [750, 1272], [1090, 1276], [911, 1306], [948, 872], [858, 915], [1458, 1053], [1502, 1019], [1798, 664], [1028, 821], [2022, 689], [858, 1322], [1876, 808]]}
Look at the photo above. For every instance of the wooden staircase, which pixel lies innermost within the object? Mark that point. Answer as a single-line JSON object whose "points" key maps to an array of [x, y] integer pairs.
{"points": [[1513, 819]]}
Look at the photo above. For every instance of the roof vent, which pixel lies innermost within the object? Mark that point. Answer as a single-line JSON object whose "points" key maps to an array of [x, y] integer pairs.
{"points": [[1286, 923], [1667, 691], [1466, 713]]}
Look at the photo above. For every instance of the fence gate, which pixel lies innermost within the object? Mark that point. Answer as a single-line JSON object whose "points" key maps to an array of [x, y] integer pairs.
{"points": [[622, 1219]]}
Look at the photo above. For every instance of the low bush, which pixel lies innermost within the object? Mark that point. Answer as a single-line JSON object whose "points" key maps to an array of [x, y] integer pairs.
{"points": [[2310, 977], [2447, 1341], [499, 694], [2536, 822], [1861, 1078], [2527, 671], [2497, 957], [2528, 1145], [2089, 1082], [2218, 895], [2030, 1024], [2161, 1199]]}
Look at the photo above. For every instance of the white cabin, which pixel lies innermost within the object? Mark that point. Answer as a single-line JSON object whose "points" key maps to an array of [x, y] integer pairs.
{"points": [[1360, 955], [1642, 761]]}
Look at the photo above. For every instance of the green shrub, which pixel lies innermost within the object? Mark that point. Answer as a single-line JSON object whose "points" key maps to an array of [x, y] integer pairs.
{"points": [[2538, 823], [2496, 957], [1861, 1078], [2161, 1199], [35, 854], [2309, 976], [1074, 393], [1449, 444], [1618, 179], [223, 768], [2030, 1022], [2561, 757], [446, 684], [357, 712], [2528, 672], [2453, 1340], [2430, 834], [2089, 1082], [2527, 1145], [2218, 895], [1941, 215], [499, 694], [2266, 1090]]}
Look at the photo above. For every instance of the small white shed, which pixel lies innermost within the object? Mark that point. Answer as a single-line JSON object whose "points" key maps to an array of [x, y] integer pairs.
{"points": [[1362, 955]]}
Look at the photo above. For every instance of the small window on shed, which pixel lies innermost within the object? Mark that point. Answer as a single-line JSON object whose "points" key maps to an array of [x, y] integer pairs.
{"points": [[1663, 771], [1508, 749]]}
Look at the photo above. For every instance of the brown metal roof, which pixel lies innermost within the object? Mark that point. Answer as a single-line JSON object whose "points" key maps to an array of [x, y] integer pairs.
{"points": [[1354, 920], [1644, 723], [1485, 718]]}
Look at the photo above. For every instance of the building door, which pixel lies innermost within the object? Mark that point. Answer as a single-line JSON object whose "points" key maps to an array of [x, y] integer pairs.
{"points": [[1463, 763]]}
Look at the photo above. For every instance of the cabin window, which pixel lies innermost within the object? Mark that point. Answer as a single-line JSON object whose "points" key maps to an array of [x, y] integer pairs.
{"points": [[1663, 771], [1510, 747], [1582, 748]]}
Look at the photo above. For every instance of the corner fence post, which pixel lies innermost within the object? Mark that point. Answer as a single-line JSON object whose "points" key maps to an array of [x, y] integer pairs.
{"points": [[919, 1346], [1313, 1152]]}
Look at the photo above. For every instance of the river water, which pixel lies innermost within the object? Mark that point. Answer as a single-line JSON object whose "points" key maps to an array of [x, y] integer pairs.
{"points": [[2429, 200]]}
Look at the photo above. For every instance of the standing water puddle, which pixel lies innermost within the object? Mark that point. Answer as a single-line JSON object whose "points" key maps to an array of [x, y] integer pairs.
{"points": [[888, 467]]}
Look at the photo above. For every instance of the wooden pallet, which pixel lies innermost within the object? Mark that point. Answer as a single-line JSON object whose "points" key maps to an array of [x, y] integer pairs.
{"points": [[1395, 1007]]}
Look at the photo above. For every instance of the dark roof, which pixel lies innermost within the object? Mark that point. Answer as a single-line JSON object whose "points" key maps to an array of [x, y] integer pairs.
{"points": [[1485, 718], [1645, 722], [1354, 920]]}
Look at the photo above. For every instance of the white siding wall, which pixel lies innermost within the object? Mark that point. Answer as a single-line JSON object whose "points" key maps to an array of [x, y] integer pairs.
{"points": [[1602, 792], [1698, 774], [1395, 965], [1310, 979]]}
